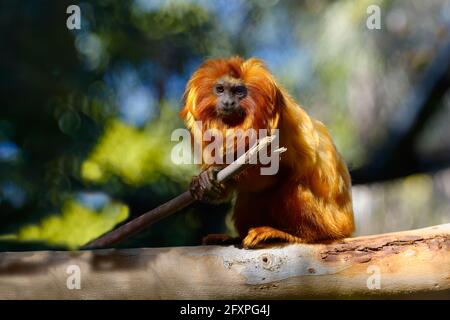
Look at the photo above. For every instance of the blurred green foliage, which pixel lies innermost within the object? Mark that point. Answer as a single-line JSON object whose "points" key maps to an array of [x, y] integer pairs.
{"points": [[137, 156], [75, 226]]}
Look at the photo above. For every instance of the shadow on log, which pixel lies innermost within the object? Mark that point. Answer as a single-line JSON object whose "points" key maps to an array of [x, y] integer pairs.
{"points": [[406, 264]]}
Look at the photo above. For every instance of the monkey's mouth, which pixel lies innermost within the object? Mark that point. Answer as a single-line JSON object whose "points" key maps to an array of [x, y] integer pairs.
{"points": [[231, 116]]}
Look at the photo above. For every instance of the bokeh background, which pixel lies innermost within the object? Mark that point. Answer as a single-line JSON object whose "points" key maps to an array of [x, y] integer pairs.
{"points": [[86, 115]]}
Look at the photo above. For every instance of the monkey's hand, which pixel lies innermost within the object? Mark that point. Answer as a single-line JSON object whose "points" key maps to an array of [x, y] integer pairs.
{"points": [[206, 188]]}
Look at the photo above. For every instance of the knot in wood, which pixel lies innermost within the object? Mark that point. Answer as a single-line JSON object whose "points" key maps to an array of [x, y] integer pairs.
{"points": [[268, 261]]}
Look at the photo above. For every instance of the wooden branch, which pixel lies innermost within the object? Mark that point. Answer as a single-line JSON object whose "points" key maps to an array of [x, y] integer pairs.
{"points": [[410, 262], [180, 202]]}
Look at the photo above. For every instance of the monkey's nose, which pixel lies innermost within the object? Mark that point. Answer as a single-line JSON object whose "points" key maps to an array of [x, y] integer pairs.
{"points": [[228, 105]]}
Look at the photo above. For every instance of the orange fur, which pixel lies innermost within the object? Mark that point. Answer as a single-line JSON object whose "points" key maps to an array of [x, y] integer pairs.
{"points": [[309, 199]]}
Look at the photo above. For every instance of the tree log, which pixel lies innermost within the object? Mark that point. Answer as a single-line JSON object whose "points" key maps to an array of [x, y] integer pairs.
{"points": [[388, 265]]}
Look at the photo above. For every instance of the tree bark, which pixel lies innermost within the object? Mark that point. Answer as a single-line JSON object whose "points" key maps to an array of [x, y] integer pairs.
{"points": [[397, 264]]}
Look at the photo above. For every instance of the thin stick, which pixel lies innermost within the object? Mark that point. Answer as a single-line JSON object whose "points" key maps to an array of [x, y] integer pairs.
{"points": [[182, 201]]}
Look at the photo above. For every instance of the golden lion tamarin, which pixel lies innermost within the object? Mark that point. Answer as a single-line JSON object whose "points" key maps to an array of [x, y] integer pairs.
{"points": [[309, 199]]}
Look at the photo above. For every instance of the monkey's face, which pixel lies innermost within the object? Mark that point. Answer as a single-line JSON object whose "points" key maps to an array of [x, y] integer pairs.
{"points": [[229, 93]]}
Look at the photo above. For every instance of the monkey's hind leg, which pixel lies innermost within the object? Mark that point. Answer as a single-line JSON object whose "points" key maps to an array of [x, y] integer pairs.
{"points": [[220, 239], [257, 236]]}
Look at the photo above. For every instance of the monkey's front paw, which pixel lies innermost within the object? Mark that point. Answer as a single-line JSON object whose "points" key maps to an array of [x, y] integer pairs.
{"points": [[256, 236], [206, 188]]}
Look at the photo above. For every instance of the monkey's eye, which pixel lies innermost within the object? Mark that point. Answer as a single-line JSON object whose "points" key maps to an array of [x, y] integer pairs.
{"points": [[240, 91], [219, 89]]}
